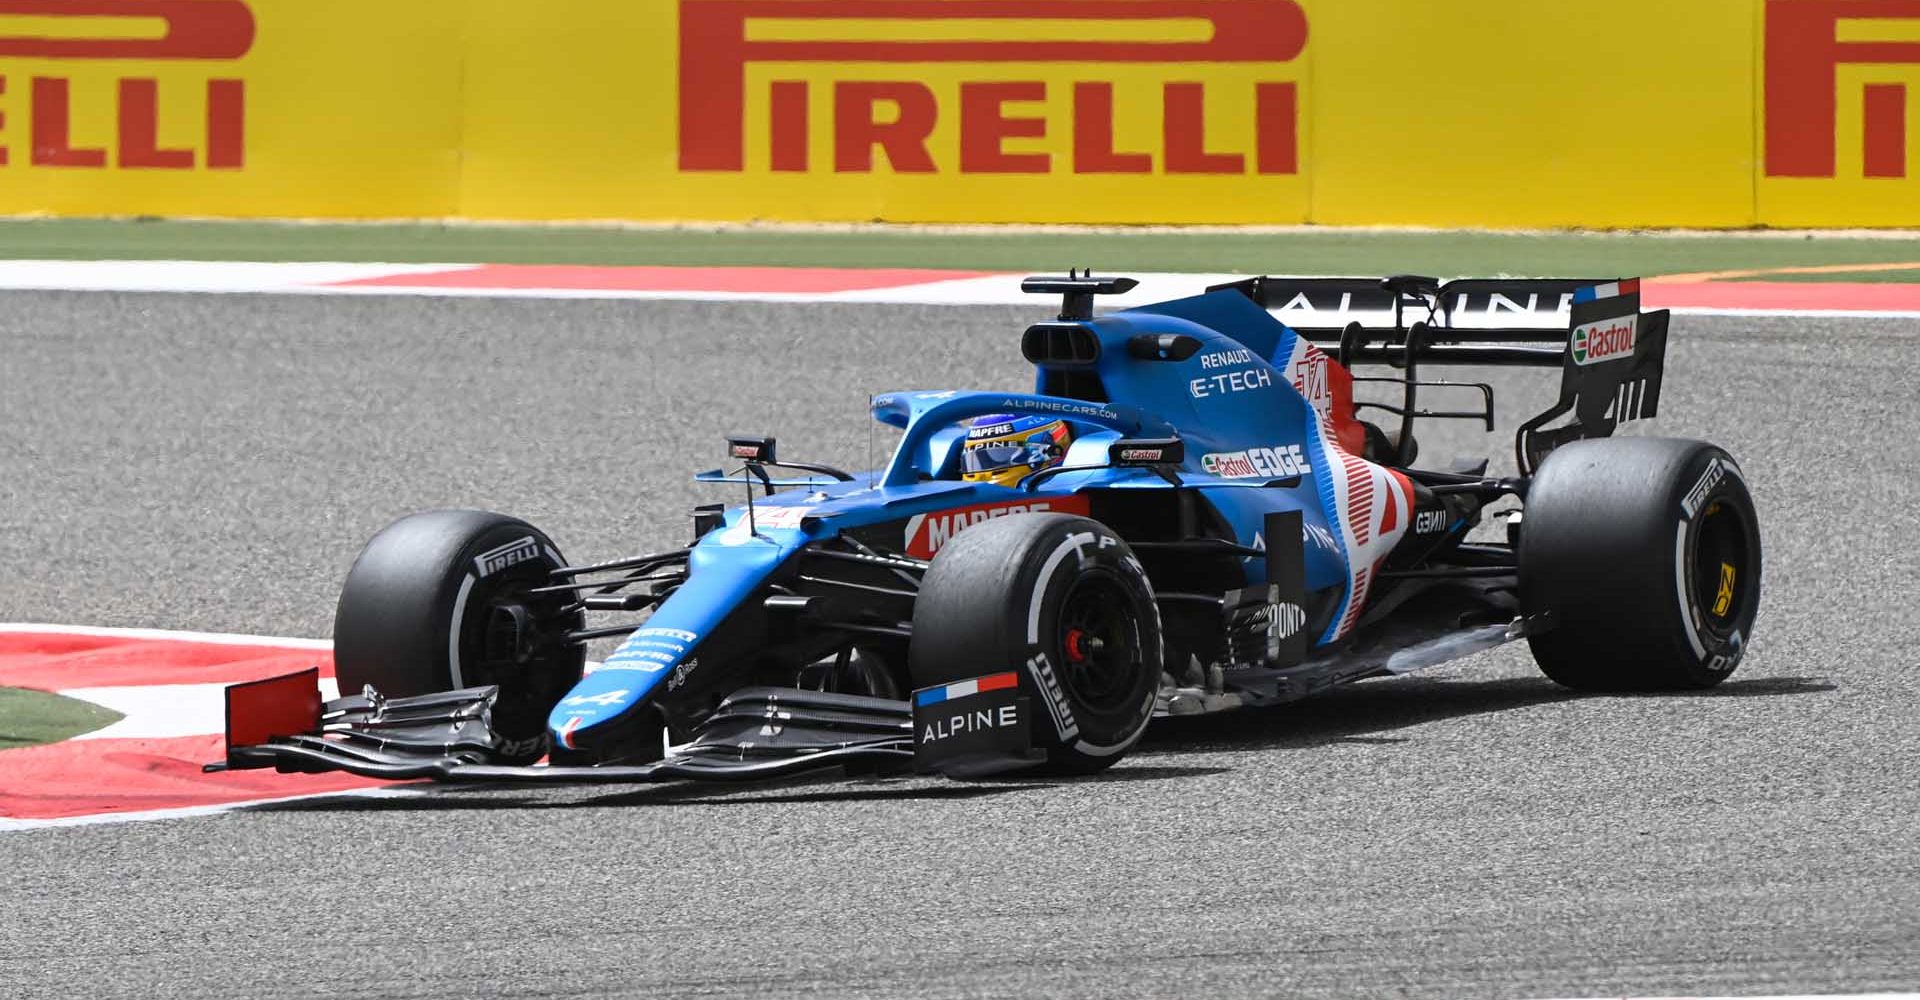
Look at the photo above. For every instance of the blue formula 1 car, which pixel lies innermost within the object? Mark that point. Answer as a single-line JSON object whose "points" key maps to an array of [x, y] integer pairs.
{"points": [[1188, 515]]}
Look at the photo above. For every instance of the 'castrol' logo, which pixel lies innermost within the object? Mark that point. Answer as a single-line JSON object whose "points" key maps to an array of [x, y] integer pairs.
{"points": [[1257, 463], [1605, 340], [927, 532]]}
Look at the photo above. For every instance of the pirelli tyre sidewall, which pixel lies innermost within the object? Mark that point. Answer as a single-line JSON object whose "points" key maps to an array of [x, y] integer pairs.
{"points": [[1062, 600], [1646, 552], [417, 615]]}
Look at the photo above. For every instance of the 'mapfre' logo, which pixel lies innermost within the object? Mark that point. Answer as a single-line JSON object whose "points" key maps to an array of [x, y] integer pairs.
{"points": [[1807, 43], [719, 39], [926, 533], [147, 30]]}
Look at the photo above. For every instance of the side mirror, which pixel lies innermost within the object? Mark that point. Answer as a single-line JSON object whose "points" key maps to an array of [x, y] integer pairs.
{"points": [[1147, 452], [751, 449], [1161, 455]]}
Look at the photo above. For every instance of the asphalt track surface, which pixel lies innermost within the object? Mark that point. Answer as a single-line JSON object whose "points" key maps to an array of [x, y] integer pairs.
{"points": [[213, 462]]}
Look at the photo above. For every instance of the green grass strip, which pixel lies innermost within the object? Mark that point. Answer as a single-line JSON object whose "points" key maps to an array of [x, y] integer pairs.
{"points": [[30, 718]]}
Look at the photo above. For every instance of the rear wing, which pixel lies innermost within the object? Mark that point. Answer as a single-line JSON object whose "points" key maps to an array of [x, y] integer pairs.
{"points": [[1611, 355]]}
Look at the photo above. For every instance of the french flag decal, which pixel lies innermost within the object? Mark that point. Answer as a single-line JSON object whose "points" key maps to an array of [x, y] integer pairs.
{"points": [[1614, 289], [961, 689]]}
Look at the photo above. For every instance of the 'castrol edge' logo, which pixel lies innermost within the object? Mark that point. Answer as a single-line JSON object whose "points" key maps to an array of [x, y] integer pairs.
{"points": [[1604, 340], [926, 533], [720, 39], [94, 35]]}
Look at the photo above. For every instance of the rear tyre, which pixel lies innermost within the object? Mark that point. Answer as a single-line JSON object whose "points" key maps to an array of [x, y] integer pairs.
{"points": [[1062, 600], [439, 601], [1646, 552]]}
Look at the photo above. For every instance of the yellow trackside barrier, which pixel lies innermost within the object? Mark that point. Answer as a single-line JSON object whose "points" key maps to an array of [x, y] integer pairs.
{"points": [[347, 108], [1343, 112]]}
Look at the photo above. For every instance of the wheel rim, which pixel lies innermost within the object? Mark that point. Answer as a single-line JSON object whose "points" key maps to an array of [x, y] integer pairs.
{"points": [[490, 639], [1099, 643], [1723, 570]]}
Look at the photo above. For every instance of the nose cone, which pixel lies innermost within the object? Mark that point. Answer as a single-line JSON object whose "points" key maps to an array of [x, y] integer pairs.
{"points": [[724, 571]]}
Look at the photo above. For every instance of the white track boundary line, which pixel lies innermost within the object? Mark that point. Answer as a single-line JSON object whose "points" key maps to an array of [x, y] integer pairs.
{"points": [[167, 635], [198, 276], [203, 690], [1800, 314], [124, 701], [196, 706], [1782, 996], [166, 711], [187, 812], [321, 278], [175, 635]]}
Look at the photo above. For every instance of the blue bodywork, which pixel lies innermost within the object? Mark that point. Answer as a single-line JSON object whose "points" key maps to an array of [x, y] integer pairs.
{"points": [[1230, 395]]}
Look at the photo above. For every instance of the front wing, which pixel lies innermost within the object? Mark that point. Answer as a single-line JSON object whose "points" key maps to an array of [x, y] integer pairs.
{"points": [[755, 734]]}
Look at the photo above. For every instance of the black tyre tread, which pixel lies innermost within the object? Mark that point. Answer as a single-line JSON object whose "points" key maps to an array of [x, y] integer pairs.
{"points": [[1597, 550], [395, 610], [975, 602], [384, 630]]}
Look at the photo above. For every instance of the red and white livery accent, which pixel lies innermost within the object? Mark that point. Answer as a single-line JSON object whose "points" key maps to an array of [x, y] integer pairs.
{"points": [[1376, 509], [1615, 289], [1372, 505]]}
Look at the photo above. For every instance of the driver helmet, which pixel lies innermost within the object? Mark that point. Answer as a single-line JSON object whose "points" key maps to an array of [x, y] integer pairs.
{"points": [[1005, 449]]}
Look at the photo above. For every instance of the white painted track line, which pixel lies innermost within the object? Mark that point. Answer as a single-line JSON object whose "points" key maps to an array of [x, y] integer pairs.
{"points": [[1783, 996], [193, 276], [164, 711], [173, 635], [325, 278], [98, 819]]}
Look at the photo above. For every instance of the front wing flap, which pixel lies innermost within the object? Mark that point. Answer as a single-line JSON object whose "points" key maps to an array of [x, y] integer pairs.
{"points": [[755, 734]]}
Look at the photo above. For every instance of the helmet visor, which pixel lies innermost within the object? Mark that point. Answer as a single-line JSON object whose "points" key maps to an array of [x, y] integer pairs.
{"points": [[994, 457]]}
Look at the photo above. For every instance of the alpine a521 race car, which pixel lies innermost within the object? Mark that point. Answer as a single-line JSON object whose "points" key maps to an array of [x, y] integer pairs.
{"points": [[1187, 515]]}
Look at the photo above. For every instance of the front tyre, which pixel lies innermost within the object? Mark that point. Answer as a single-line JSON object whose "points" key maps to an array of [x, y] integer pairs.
{"points": [[1062, 600], [442, 600], [1646, 553]]}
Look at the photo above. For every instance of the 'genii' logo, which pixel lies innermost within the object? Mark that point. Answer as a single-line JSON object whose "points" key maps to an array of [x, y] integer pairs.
{"points": [[1807, 42], [720, 38], [191, 30]]}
